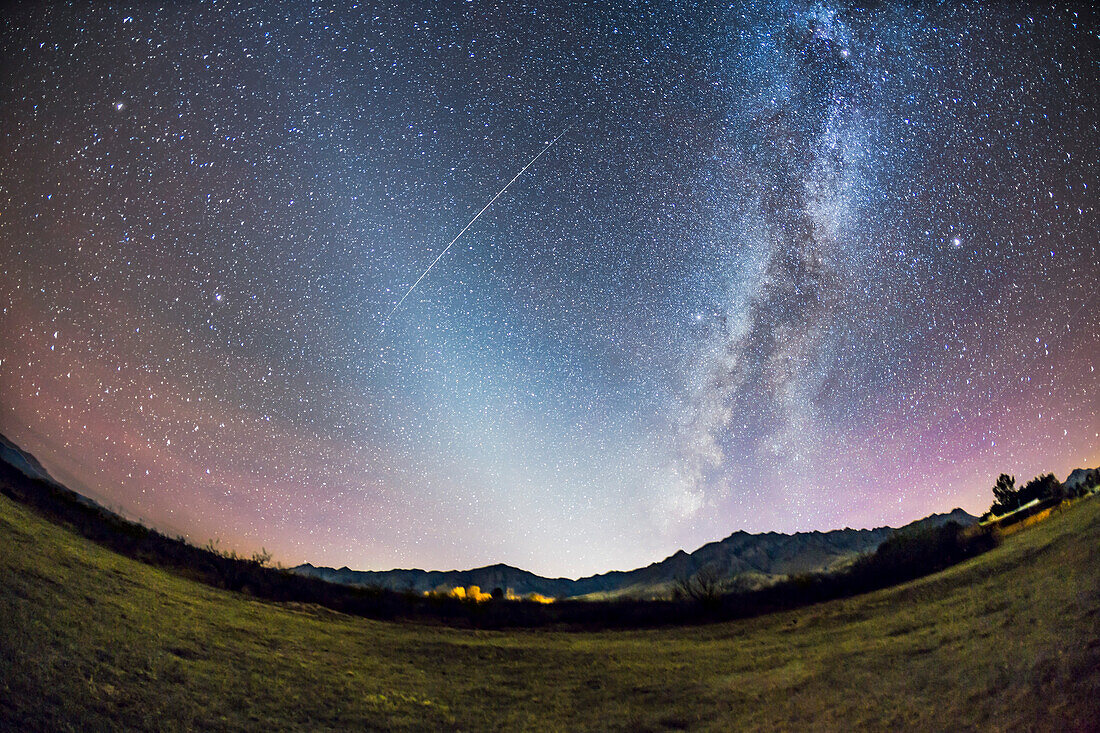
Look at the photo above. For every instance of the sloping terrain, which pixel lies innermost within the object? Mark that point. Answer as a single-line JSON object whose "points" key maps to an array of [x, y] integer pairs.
{"points": [[758, 558], [92, 640]]}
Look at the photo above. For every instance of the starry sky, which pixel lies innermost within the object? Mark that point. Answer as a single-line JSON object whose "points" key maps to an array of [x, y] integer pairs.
{"points": [[787, 266]]}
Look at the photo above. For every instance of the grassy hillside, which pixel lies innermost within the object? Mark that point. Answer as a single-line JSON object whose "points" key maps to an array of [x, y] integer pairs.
{"points": [[90, 639]]}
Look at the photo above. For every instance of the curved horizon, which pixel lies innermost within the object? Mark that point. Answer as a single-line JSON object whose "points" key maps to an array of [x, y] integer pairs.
{"points": [[802, 266], [164, 529]]}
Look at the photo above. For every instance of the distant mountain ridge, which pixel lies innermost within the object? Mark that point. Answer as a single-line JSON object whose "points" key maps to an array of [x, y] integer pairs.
{"points": [[1082, 478], [24, 461], [751, 559]]}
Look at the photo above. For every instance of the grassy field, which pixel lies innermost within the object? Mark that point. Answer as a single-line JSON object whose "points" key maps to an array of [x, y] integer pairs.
{"points": [[91, 640]]}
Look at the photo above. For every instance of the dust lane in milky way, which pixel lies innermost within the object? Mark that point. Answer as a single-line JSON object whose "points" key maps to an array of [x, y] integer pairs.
{"points": [[799, 266]]}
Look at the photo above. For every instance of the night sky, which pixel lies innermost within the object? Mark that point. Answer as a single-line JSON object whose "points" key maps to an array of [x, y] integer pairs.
{"points": [[789, 266]]}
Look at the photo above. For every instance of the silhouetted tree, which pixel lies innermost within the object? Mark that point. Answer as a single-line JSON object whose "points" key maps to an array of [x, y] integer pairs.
{"points": [[1041, 487], [1005, 494], [703, 586]]}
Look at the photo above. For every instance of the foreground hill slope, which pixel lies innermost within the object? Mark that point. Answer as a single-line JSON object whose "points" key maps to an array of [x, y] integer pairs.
{"points": [[93, 640]]}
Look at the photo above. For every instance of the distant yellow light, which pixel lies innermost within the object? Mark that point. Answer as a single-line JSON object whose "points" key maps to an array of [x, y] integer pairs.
{"points": [[474, 593]]}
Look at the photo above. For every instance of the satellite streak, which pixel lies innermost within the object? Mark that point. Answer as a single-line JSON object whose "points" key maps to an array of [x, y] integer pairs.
{"points": [[471, 223]]}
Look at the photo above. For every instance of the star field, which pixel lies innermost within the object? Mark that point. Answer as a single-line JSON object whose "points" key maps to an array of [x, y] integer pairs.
{"points": [[790, 266]]}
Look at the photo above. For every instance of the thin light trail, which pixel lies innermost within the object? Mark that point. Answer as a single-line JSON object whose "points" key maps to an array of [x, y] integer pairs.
{"points": [[471, 223]]}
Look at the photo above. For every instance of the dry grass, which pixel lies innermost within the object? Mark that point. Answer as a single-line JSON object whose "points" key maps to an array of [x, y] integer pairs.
{"points": [[93, 640]]}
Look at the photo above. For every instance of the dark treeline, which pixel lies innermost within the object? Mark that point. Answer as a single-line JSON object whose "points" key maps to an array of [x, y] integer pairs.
{"points": [[1045, 489], [903, 557]]}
